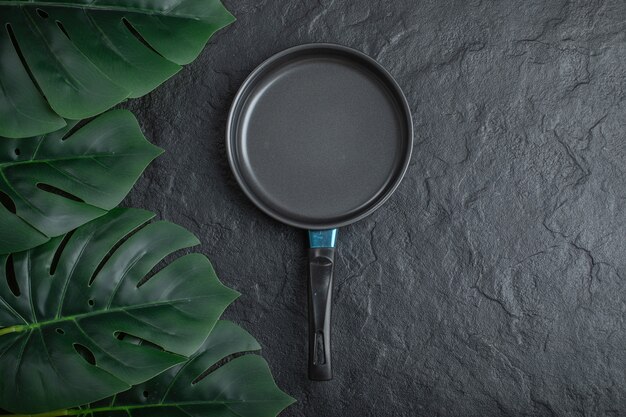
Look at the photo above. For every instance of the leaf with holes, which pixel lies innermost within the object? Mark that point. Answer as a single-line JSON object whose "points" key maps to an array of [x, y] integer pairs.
{"points": [[73, 60], [52, 184], [83, 318], [223, 378]]}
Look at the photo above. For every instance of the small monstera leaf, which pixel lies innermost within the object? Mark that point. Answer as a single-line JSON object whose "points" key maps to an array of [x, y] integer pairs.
{"points": [[74, 59], [218, 380], [52, 184], [83, 318]]}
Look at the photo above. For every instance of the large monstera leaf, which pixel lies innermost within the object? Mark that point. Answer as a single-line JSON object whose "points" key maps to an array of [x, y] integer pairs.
{"points": [[52, 184], [74, 59], [82, 317], [220, 380]]}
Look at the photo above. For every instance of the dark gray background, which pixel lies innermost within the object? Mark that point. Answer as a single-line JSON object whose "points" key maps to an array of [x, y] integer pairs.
{"points": [[491, 283]]}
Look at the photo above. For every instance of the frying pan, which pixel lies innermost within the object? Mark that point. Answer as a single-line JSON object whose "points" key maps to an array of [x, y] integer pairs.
{"points": [[318, 137]]}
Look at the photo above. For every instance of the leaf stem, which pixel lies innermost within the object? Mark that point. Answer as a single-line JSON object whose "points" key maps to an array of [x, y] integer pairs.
{"points": [[32, 326], [47, 414], [11, 329]]}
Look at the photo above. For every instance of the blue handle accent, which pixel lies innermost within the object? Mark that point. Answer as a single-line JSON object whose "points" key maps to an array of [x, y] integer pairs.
{"points": [[322, 238]]}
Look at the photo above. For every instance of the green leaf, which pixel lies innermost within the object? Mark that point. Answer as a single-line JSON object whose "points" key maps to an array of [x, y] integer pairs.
{"points": [[240, 387], [80, 322], [73, 60], [51, 184]]}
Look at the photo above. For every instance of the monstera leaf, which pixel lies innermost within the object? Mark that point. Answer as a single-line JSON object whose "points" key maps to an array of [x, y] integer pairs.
{"points": [[75, 59], [219, 380], [83, 317], [51, 184]]}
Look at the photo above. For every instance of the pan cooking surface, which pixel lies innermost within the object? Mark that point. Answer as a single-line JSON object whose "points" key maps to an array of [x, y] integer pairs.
{"points": [[321, 137]]}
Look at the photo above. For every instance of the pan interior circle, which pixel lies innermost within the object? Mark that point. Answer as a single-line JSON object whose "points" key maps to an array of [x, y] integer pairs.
{"points": [[321, 139]]}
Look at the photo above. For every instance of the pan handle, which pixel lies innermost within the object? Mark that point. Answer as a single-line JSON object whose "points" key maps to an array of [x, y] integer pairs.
{"points": [[321, 266]]}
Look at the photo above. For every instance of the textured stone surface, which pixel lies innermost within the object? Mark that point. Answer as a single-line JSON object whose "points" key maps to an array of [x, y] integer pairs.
{"points": [[491, 283]]}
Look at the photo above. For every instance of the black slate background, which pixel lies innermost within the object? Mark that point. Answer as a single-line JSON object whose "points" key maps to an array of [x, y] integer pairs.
{"points": [[492, 282]]}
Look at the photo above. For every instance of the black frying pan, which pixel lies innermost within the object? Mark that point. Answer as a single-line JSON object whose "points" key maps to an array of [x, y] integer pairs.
{"points": [[319, 136]]}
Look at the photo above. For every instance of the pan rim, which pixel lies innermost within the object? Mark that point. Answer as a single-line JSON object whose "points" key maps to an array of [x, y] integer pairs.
{"points": [[234, 116]]}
